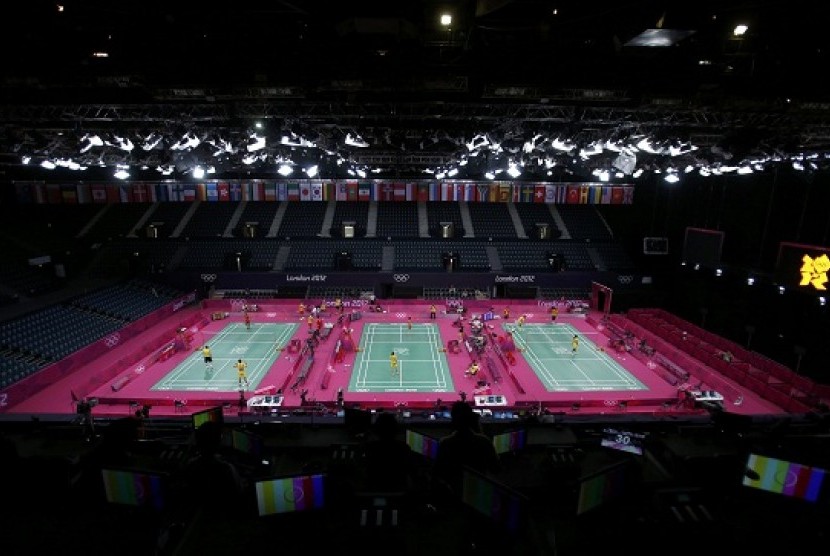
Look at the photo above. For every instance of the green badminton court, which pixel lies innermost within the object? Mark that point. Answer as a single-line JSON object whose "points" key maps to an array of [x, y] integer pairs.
{"points": [[423, 366], [547, 348], [258, 347]]}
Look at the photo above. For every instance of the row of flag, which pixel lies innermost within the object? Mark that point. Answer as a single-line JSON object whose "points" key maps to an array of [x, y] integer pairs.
{"points": [[310, 190]]}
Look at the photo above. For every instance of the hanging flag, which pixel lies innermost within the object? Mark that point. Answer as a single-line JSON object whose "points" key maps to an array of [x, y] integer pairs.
{"points": [[400, 192], [224, 191], [84, 195], [364, 191], [583, 194], [352, 191], [235, 192], [210, 191], [434, 191], [69, 194], [628, 196], [423, 192], [342, 193], [317, 191], [573, 195], [293, 191], [99, 194], [271, 191]]}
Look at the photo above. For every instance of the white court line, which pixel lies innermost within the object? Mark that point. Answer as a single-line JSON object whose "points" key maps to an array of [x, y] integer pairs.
{"points": [[440, 378]]}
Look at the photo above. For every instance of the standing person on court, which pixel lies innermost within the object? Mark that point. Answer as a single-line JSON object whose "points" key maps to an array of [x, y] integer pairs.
{"points": [[207, 354], [432, 311], [247, 318], [521, 321], [409, 323], [574, 344], [506, 313], [393, 362], [241, 373], [554, 312]]}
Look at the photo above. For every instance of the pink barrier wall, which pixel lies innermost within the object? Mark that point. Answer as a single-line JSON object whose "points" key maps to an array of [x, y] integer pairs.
{"points": [[102, 348]]}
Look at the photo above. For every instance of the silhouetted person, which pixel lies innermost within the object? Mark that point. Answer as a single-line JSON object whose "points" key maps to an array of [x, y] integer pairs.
{"points": [[114, 450], [210, 480], [389, 463], [465, 446]]}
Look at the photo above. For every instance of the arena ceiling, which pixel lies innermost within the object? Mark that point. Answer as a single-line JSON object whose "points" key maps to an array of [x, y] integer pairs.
{"points": [[384, 89]]}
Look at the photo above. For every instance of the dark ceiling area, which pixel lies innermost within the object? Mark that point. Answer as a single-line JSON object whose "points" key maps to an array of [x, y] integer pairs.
{"points": [[556, 88]]}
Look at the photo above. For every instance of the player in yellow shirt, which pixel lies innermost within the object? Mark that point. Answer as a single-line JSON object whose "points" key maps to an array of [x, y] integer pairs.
{"points": [[521, 321], [574, 344], [393, 362], [241, 372], [208, 355]]}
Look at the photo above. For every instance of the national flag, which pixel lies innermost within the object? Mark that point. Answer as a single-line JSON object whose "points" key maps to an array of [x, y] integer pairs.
{"points": [[434, 191], [605, 199], [352, 191], [342, 193], [423, 192], [189, 193], [271, 191], [235, 192], [573, 195], [411, 192], [628, 196], [328, 191], [504, 193], [69, 194], [364, 191], [540, 193], [138, 194], [483, 192], [211, 192], [178, 191], [446, 191], [259, 191], [293, 191], [516, 193], [305, 191], [400, 192], [596, 195], [83, 193], [224, 190], [583, 194], [385, 192], [317, 191], [617, 195], [469, 192], [99, 194], [40, 193]]}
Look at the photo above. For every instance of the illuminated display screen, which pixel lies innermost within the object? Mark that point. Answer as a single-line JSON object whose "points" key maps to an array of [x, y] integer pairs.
{"points": [[803, 267]]}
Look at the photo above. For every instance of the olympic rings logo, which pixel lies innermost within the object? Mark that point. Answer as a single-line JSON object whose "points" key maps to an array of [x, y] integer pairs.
{"points": [[625, 279], [208, 278], [112, 340], [610, 403], [401, 278]]}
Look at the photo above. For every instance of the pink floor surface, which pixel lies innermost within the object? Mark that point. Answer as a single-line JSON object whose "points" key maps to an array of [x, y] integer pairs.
{"points": [[660, 399]]}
